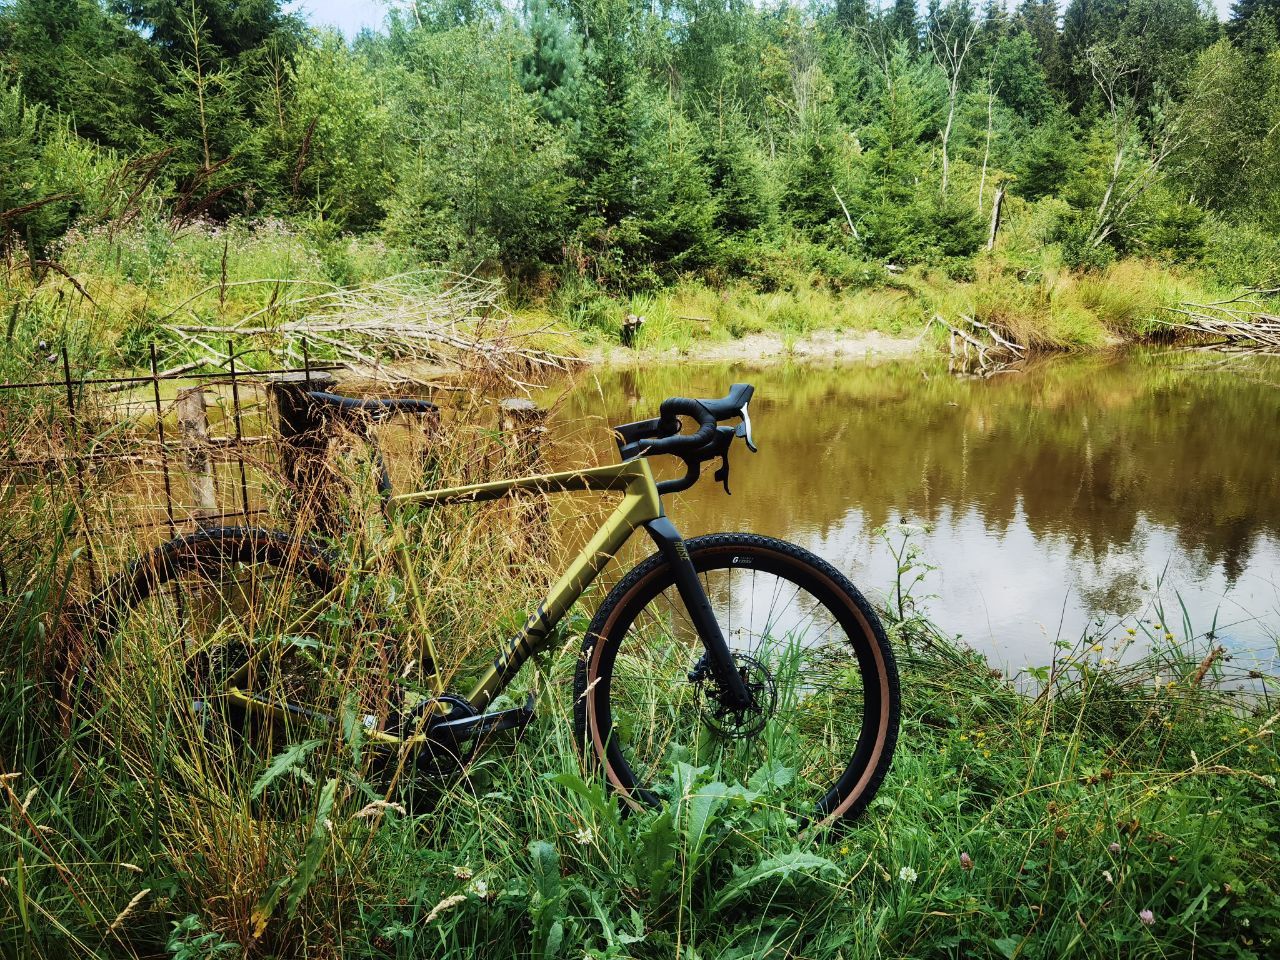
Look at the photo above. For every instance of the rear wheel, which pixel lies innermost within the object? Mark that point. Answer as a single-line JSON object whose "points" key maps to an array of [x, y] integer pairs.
{"points": [[820, 733], [215, 651]]}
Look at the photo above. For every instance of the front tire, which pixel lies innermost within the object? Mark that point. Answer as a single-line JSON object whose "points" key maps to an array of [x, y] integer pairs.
{"points": [[825, 720]]}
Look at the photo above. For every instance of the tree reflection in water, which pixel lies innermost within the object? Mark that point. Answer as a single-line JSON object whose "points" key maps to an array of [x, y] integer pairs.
{"points": [[1061, 492]]}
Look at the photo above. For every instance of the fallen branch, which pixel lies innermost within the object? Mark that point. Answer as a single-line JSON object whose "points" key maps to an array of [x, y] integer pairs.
{"points": [[1228, 321], [994, 349], [414, 318]]}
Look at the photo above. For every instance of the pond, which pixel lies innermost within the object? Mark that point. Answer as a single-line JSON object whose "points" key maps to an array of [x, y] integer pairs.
{"points": [[1075, 492]]}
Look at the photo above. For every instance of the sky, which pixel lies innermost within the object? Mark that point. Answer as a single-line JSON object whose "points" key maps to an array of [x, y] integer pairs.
{"points": [[350, 16]]}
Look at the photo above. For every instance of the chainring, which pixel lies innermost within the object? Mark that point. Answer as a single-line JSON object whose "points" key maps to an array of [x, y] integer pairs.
{"points": [[437, 759]]}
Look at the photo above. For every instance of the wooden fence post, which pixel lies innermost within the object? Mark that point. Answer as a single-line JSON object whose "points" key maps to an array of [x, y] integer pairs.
{"points": [[193, 423], [995, 217], [523, 426]]}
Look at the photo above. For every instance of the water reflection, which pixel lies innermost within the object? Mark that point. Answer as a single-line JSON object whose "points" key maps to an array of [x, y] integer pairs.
{"points": [[1052, 496]]}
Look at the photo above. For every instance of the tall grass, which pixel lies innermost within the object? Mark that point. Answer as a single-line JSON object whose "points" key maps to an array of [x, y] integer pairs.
{"points": [[1122, 799]]}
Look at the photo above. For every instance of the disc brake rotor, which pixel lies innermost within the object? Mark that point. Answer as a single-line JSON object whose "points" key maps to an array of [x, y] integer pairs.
{"points": [[733, 723]]}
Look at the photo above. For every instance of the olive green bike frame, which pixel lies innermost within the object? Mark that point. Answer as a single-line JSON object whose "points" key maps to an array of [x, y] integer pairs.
{"points": [[640, 504]]}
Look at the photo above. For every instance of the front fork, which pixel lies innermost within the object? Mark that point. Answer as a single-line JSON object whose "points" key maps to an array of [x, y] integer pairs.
{"points": [[718, 655]]}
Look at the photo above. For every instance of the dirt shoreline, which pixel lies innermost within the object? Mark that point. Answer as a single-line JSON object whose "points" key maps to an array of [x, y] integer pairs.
{"points": [[824, 346]]}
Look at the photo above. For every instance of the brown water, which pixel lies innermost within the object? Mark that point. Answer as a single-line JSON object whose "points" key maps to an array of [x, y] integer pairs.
{"points": [[1076, 492]]}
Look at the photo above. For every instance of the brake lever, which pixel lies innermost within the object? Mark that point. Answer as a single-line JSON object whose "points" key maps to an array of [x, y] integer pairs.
{"points": [[742, 430], [720, 448], [723, 473]]}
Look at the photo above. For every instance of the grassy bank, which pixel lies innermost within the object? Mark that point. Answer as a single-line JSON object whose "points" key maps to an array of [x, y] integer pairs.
{"points": [[1122, 799], [111, 294]]}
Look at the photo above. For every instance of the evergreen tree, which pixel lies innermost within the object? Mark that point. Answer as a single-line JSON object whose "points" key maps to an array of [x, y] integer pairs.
{"points": [[736, 174], [645, 198], [900, 23], [818, 172], [46, 45], [553, 68], [1246, 13], [480, 178], [202, 123], [1039, 18], [852, 14], [1047, 159], [232, 27], [1019, 78], [1086, 24]]}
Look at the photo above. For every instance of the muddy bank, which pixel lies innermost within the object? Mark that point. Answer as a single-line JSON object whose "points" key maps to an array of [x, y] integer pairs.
{"points": [[768, 348]]}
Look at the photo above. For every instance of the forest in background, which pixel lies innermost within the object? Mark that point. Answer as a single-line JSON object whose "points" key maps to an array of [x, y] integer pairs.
{"points": [[610, 145]]}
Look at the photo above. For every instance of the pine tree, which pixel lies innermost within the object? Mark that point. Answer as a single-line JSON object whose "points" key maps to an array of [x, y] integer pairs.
{"points": [[233, 27], [901, 24], [202, 122], [736, 174], [1246, 13], [1085, 24], [852, 14], [553, 68], [47, 45], [1039, 18]]}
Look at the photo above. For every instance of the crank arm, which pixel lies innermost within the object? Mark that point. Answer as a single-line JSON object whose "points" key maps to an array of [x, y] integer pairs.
{"points": [[467, 728]]}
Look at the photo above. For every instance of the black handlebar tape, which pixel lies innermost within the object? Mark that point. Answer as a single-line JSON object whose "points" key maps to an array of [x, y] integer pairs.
{"points": [[683, 406]]}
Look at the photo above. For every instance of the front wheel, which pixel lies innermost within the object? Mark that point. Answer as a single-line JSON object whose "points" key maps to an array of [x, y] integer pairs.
{"points": [[821, 729]]}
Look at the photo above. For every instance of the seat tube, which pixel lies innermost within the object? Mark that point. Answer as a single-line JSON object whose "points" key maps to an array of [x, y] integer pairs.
{"points": [[698, 604]]}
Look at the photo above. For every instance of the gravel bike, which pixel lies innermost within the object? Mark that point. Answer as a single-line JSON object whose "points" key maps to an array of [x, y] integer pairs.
{"points": [[737, 651]]}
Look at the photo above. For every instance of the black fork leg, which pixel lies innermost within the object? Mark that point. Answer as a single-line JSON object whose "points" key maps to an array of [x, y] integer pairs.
{"points": [[719, 656]]}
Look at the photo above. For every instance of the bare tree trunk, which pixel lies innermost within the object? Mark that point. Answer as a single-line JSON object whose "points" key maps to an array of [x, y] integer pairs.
{"points": [[848, 219], [946, 136], [986, 151], [996, 204], [950, 54]]}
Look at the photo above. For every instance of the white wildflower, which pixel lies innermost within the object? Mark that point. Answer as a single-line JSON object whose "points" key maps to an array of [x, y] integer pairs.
{"points": [[907, 875]]}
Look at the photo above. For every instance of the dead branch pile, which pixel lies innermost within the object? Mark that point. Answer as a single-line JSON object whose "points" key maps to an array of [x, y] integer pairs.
{"points": [[387, 329], [980, 348], [1240, 321]]}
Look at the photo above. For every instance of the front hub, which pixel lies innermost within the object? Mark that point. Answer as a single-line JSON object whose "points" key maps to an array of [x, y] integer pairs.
{"points": [[739, 723]]}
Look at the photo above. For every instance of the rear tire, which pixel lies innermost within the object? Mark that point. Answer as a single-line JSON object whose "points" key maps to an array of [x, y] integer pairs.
{"points": [[178, 624], [827, 684]]}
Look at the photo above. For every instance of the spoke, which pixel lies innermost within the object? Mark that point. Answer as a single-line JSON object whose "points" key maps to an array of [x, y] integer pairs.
{"points": [[814, 677]]}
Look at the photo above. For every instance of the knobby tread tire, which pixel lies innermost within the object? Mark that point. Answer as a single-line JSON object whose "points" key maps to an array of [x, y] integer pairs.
{"points": [[870, 763]]}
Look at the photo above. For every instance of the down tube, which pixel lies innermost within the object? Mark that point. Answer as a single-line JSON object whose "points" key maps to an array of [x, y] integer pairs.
{"points": [[634, 510]]}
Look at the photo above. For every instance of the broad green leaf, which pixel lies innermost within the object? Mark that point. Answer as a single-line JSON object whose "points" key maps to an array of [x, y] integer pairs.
{"points": [[775, 872]]}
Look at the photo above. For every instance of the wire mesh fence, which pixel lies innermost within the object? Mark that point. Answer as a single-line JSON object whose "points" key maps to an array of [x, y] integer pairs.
{"points": [[116, 463]]}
